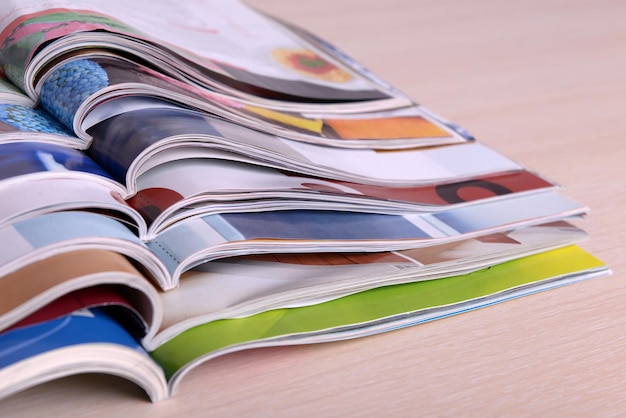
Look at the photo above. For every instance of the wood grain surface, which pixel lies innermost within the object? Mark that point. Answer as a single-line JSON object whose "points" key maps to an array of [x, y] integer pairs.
{"points": [[542, 81]]}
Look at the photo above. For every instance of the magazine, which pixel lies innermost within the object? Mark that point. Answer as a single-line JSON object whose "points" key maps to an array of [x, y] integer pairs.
{"points": [[199, 240], [204, 178], [71, 180], [267, 58], [90, 340], [271, 76], [170, 132], [245, 285], [75, 99]]}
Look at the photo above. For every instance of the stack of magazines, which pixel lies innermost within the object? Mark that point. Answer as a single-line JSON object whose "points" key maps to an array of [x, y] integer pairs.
{"points": [[204, 178]]}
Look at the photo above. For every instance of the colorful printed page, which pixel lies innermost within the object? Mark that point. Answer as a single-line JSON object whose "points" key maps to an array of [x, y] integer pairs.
{"points": [[113, 298], [21, 120], [23, 123], [377, 310], [39, 196], [198, 240], [247, 285], [129, 144], [57, 283], [39, 177], [86, 341], [67, 231], [178, 189], [224, 45], [100, 86], [28, 160]]}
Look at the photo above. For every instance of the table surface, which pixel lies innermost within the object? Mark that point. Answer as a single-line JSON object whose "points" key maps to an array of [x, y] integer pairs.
{"points": [[542, 81]]}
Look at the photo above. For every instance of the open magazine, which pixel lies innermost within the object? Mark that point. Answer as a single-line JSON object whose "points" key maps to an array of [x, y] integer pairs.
{"points": [[92, 340], [245, 285], [199, 240], [183, 188], [267, 60], [271, 76], [403, 127], [175, 188], [169, 132]]}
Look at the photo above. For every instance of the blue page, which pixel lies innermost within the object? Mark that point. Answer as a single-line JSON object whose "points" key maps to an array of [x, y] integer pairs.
{"points": [[82, 327], [20, 158]]}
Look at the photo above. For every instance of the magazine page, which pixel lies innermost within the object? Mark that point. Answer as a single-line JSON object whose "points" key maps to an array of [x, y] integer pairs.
{"points": [[24, 123], [247, 285], [414, 302], [110, 297], [176, 189], [39, 196], [198, 240], [62, 232], [94, 85], [29, 160], [11, 95], [125, 143], [99, 82], [219, 179], [371, 167], [86, 341], [64, 277], [22, 119], [225, 45]]}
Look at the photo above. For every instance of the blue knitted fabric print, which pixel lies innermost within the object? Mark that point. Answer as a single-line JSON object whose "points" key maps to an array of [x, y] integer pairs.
{"points": [[28, 119], [69, 86]]}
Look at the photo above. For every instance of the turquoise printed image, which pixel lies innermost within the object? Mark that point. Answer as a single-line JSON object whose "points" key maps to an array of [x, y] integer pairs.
{"points": [[27, 119], [69, 86]]}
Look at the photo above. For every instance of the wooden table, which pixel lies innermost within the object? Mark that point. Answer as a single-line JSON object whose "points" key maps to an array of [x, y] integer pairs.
{"points": [[544, 82]]}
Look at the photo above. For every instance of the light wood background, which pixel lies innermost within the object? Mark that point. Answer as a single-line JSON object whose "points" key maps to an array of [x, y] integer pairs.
{"points": [[544, 82]]}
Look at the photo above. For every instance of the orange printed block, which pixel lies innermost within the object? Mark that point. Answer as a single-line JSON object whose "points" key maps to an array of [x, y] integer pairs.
{"points": [[386, 128]]}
